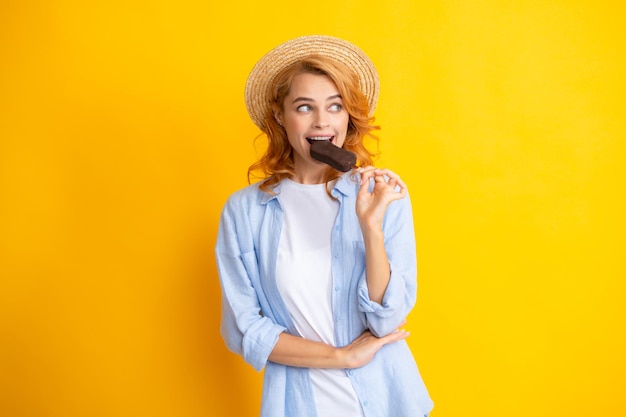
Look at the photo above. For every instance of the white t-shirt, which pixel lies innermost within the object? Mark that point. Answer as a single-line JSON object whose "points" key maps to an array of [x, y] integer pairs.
{"points": [[304, 280]]}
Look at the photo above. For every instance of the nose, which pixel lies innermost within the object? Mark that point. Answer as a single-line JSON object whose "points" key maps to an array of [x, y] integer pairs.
{"points": [[320, 120]]}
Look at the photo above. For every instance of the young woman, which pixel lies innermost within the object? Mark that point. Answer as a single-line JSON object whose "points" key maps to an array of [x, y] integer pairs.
{"points": [[317, 267]]}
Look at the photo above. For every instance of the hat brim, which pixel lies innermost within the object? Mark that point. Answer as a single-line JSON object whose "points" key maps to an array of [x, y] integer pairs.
{"points": [[257, 95]]}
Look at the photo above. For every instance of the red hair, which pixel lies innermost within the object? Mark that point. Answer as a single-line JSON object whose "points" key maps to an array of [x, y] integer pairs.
{"points": [[277, 162]]}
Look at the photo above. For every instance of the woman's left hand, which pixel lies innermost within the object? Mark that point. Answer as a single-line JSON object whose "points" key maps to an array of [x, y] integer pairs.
{"points": [[371, 206]]}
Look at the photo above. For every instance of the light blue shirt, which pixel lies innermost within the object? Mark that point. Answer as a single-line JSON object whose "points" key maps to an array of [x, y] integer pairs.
{"points": [[253, 313]]}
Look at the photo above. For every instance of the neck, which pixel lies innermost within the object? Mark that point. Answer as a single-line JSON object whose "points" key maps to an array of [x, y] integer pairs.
{"points": [[311, 174]]}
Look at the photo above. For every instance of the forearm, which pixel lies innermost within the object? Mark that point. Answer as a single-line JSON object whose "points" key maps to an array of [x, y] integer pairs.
{"points": [[296, 351], [377, 270], [371, 205]]}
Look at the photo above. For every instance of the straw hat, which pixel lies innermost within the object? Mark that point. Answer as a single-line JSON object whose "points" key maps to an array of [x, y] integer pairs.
{"points": [[257, 95]]}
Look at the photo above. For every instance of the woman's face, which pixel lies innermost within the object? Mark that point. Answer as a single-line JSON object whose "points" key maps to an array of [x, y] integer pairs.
{"points": [[313, 110]]}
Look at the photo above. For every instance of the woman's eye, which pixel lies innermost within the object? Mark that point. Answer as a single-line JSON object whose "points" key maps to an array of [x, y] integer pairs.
{"points": [[304, 108], [336, 107]]}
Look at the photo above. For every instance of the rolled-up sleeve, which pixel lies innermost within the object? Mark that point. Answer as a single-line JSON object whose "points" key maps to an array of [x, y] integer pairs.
{"points": [[243, 327], [400, 295]]}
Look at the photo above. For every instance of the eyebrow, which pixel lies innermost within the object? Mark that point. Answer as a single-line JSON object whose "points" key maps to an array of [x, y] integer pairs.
{"points": [[307, 99]]}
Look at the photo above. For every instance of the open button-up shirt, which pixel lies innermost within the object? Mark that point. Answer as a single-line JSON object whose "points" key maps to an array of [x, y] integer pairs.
{"points": [[253, 313]]}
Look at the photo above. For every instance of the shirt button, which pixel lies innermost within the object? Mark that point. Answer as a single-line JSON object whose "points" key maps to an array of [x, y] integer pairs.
{"points": [[364, 403], [336, 254], [337, 288]]}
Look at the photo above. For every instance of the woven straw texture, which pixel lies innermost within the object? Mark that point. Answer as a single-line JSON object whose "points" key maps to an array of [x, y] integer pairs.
{"points": [[258, 100]]}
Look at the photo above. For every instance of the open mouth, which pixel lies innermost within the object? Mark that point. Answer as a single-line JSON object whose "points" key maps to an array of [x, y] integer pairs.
{"points": [[312, 139]]}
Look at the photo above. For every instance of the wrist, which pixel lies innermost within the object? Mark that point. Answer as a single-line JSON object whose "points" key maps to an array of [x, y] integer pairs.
{"points": [[347, 358], [372, 232]]}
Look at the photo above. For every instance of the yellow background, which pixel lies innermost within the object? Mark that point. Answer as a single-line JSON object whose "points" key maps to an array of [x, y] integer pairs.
{"points": [[123, 130]]}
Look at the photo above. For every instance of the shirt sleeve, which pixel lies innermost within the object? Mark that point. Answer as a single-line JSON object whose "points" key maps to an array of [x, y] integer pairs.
{"points": [[400, 295], [243, 327]]}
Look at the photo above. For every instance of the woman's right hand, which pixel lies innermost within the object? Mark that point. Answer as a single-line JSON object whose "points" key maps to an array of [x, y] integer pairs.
{"points": [[362, 350]]}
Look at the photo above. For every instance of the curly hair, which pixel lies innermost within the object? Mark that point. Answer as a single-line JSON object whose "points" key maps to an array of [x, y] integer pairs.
{"points": [[277, 161]]}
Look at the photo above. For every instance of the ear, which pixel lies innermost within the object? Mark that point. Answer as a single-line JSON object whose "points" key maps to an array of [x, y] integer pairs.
{"points": [[277, 114]]}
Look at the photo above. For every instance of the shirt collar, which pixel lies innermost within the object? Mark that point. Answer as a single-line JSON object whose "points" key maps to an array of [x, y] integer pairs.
{"points": [[347, 184]]}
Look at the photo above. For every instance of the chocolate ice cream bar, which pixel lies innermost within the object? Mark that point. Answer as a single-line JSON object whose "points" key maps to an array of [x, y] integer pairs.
{"points": [[336, 157]]}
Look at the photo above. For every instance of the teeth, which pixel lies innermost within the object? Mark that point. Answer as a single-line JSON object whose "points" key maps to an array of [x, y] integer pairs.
{"points": [[320, 137]]}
